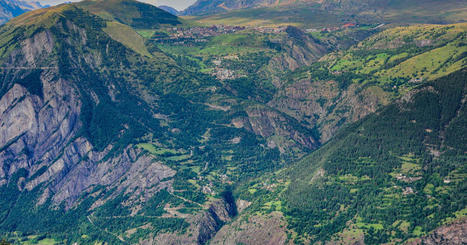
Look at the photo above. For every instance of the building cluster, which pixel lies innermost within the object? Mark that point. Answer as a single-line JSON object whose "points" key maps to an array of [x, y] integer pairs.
{"points": [[197, 34], [200, 34], [268, 29], [332, 29]]}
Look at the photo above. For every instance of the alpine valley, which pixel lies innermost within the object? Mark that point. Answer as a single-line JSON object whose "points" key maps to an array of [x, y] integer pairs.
{"points": [[235, 122]]}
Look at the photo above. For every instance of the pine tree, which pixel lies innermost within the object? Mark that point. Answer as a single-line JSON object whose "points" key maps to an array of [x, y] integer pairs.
{"points": [[4, 242]]}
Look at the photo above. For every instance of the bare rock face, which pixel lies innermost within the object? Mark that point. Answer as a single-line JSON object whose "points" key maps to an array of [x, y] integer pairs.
{"points": [[453, 234], [322, 104], [267, 229], [301, 50], [268, 123], [36, 124], [203, 226], [40, 125]]}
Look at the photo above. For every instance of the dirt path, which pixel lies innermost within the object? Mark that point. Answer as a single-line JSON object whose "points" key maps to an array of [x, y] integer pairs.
{"points": [[103, 230]]}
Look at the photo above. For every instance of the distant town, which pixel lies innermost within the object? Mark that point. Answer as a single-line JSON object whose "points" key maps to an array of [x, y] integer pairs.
{"points": [[201, 34]]}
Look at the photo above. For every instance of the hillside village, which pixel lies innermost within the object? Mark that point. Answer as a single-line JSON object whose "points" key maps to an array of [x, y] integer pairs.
{"points": [[201, 34]]}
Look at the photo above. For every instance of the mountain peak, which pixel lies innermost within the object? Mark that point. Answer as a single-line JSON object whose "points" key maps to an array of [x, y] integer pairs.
{"points": [[41, 17], [130, 12], [13, 8], [169, 9]]}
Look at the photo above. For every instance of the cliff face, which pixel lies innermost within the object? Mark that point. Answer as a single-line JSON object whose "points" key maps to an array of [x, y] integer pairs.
{"points": [[41, 118], [326, 106], [281, 130], [75, 108], [257, 229], [112, 139], [455, 234], [203, 226], [300, 50]]}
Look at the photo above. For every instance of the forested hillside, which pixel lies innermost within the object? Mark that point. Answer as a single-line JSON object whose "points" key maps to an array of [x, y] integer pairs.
{"points": [[333, 122], [395, 175], [107, 138]]}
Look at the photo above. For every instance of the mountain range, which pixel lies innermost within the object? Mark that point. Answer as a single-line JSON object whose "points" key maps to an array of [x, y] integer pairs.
{"points": [[365, 7], [13, 8], [121, 123], [169, 9]]}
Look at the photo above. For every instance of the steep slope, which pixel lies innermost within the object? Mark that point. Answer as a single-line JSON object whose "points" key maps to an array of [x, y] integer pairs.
{"points": [[330, 12], [347, 85], [285, 67], [13, 8], [103, 137], [398, 174], [203, 7], [72, 110], [169, 9], [132, 127], [65, 89], [247, 63], [132, 13]]}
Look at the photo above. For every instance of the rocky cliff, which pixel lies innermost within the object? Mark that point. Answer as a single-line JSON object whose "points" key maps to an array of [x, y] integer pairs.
{"points": [[106, 138], [97, 125], [42, 121], [455, 234], [322, 104], [300, 50], [203, 226], [257, 229]]}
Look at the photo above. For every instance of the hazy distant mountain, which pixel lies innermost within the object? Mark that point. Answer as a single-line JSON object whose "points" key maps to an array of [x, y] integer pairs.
{"points": [[206, 7], [202, 7], [170, 10], [13, 8]]}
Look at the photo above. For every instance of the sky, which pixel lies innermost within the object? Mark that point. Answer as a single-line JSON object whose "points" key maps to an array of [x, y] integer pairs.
{"points": [[177, 4]]}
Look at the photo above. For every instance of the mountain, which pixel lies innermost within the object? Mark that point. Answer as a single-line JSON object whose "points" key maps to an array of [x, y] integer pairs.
{"points": [[347, 85], [202, 7], [121, 123], [13, 8], [323, 13], [133, 13], [101, 131], [393, 176], [169, 9]]}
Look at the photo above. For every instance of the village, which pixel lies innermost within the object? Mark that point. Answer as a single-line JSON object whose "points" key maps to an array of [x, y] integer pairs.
{"points": [[200, 34], [197, 34]]}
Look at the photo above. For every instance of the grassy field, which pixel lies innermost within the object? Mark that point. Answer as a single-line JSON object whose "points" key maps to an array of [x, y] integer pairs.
{"points": [[405, 56], [127, 36]]}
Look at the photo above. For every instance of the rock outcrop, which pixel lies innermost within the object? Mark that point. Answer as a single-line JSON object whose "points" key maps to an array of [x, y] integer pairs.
{"points": [[452, 234], [300, 50], [256, 230], [203, 226], [270, 123], [41, 124], [326, 106]]}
